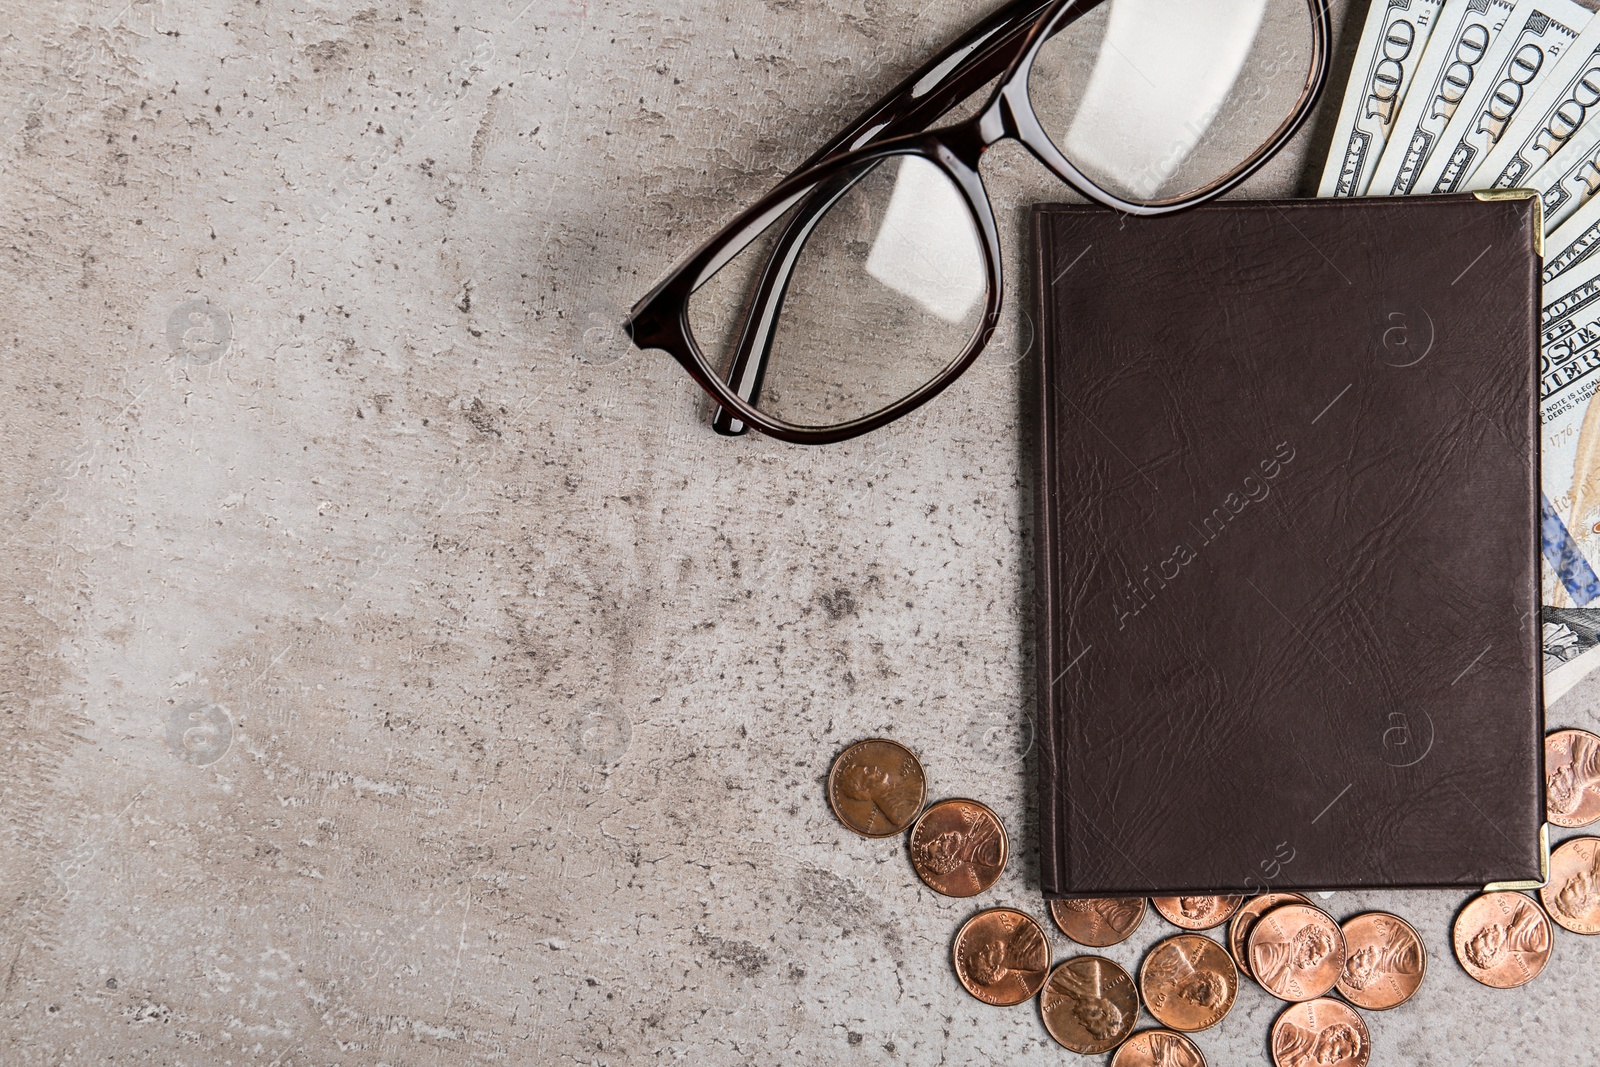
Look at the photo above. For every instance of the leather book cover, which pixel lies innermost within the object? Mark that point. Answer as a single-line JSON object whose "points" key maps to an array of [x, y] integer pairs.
{"points": [[1287, 546]]}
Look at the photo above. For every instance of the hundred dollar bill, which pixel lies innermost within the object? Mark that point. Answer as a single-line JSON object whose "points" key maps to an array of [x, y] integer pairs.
{"points": [[1564, 107], [1387, 55], [1463, 32], [1569, 251], [1571, 176], [1570, 479], [1535, 37]]}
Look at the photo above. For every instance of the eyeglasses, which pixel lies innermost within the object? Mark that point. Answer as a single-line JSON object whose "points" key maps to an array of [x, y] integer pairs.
{"points": [[870, 279]]}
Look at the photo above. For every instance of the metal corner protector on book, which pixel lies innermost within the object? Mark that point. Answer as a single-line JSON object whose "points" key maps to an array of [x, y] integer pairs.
{"points": [[1544, 867], [1521, 194]]}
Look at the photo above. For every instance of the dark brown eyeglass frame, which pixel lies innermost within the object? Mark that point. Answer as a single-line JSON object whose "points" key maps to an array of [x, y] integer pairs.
{"points": [[1009, 40]]}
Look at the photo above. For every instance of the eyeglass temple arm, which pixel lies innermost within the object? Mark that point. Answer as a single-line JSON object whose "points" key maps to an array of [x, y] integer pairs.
{"points": [[953, 75]]}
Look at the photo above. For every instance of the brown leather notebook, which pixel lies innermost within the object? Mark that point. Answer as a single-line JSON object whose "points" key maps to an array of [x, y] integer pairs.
{"points": [[1287, 546]]}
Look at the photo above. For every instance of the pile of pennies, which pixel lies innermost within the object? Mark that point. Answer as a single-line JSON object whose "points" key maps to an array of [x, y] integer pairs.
{"points": [[1283, 942]]}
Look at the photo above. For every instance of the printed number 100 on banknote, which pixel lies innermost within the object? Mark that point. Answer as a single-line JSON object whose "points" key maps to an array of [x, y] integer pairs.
{"points": [[1391, 44]]}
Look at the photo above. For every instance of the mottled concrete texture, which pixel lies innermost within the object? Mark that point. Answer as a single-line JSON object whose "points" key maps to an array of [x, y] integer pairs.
{"points": [[397, 670]]}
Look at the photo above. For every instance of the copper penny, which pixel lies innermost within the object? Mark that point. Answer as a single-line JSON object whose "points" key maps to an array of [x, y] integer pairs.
{"points": [[877, 787], [1320, 1033], [1089, 1005], [1502, 939], [1572, 777], [1158, 1048], [1296, 952], [1196, 913], [1572, 895], [1098, 922], [1245, 919], [1384, 961], [1188, 982], [1001, 956], [958, 847]]}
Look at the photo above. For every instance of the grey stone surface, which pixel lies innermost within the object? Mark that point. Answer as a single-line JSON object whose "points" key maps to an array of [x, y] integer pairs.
{"points": [[396, 668]]}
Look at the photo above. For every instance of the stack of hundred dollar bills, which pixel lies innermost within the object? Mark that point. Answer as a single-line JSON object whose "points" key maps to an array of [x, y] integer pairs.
{"points": [[1449, 96]]}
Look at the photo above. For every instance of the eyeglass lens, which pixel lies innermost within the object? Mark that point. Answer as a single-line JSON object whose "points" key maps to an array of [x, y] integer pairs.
{"points": [[885, 292], [1156, 99]]}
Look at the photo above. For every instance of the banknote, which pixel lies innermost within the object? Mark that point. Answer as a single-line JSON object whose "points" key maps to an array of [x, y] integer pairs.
{"points": [[1564, 107], [1570, 451], [1391, 45], [1569, 250], [1571, 176], [1535, 38], [1570, 478], [1463, 32]]}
